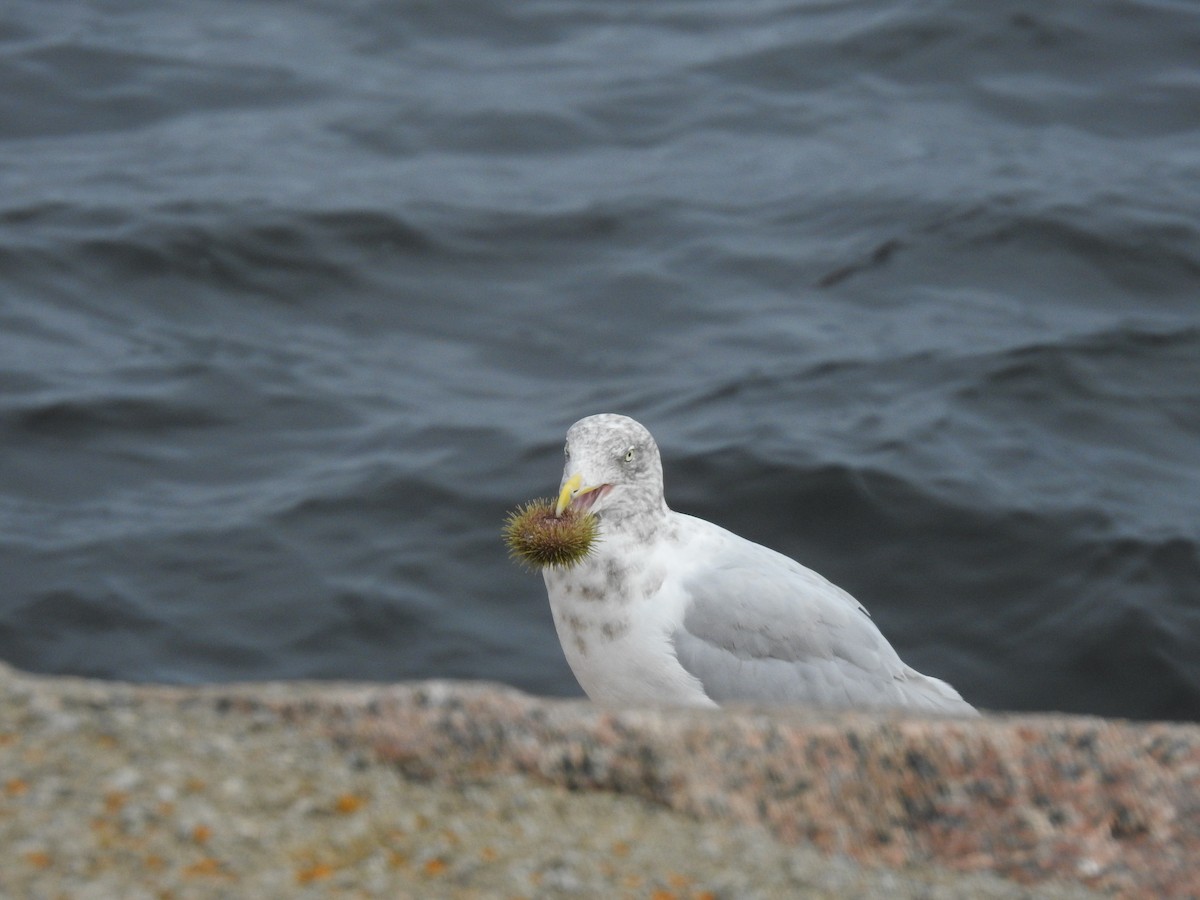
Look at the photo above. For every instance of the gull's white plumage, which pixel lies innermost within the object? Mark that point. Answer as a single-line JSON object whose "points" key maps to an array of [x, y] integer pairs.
{"points": [[671, 609]]}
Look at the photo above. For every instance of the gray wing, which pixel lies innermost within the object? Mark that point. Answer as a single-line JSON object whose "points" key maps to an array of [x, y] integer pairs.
{"points": [[760, 627]]}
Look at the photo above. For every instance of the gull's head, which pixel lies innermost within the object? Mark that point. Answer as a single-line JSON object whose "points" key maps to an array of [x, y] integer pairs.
{"points": [[612, 468]]}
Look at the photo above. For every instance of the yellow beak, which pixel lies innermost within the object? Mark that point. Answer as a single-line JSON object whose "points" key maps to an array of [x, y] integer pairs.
{"points": [[572, 489]]}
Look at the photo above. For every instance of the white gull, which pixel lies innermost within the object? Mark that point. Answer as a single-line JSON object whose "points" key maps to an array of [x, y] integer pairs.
{"points": [[671, 609]]}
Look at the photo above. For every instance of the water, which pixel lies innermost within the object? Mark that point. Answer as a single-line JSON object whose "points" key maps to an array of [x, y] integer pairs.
{"points": [[297, 299]]}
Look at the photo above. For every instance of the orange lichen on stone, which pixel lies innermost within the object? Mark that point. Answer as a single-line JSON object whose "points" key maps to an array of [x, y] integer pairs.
{"points": [[114, 801], [15, 787], [318, 872], [435, 867], [100, 824], [349, 803], [201, 834], [206, 867]]}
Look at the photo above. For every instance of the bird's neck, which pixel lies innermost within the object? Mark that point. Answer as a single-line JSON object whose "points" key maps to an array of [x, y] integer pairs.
{"points": [[634, 506]]}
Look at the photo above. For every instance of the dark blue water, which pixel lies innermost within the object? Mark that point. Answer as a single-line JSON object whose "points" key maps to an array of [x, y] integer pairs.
{"points": [[297, 299]]}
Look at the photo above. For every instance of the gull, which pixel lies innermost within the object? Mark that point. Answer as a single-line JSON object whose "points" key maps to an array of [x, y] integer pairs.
{"points": [[670, 609]]}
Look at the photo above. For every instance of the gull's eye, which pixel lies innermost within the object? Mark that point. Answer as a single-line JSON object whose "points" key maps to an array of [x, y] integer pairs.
{"points": [[629, 455], [567, 450]]}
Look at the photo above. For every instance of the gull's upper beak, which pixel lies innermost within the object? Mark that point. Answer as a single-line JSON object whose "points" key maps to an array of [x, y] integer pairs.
{"points": [[571, 489]]}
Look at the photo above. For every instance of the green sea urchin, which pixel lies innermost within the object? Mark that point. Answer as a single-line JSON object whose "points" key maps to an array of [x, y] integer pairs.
{"points": [[537, 538]]}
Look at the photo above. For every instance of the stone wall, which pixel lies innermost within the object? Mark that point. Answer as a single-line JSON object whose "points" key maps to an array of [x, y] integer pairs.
{"points": [[97, 786]]}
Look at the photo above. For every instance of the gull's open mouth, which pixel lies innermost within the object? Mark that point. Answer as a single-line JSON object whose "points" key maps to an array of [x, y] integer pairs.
{"points": [[584, 501]]}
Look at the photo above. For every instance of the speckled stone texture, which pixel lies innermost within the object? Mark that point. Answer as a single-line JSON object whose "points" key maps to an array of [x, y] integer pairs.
{"points": [[1114, 805], [1111, 805]]}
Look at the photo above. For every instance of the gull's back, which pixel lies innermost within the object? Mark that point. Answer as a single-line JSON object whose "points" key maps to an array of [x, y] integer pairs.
{"points": [[760, 627]]}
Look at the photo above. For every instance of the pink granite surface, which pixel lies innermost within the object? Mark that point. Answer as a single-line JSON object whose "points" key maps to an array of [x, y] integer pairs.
{"points": [[1112, 804], [1108, 804]]}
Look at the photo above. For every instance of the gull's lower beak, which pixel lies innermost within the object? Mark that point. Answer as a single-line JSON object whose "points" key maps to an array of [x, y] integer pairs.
{"points": [[572, 489]]}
